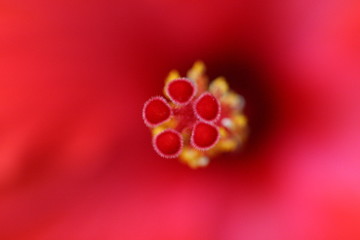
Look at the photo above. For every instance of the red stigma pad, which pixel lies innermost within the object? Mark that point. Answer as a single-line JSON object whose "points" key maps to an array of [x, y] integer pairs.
{"points": [[207, 107], [181, 90], [156, 110], [204, 136], [168, 143]]}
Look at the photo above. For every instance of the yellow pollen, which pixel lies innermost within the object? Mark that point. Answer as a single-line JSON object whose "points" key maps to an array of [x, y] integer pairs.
{"points": [[219, 86]]}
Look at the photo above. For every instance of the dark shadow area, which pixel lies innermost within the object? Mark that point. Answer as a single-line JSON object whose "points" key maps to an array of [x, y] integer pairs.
{"points": [[247, 76]]}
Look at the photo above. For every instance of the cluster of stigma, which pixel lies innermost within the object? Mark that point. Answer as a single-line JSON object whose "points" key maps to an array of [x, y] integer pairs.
{"points": [[195, 121]]}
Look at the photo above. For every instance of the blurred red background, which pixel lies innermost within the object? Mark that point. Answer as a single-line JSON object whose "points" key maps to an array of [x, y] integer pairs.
{"points": [[76, 160]]}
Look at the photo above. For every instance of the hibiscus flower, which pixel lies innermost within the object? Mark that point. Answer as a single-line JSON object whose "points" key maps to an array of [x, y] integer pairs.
{"points": [[76, 160]]}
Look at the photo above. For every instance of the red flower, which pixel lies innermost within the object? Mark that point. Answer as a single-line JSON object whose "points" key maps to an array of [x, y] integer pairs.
{"points": [[75, 158]]}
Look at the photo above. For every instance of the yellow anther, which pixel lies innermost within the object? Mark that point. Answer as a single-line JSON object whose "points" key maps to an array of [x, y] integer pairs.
{"points": [[171, 123], [239, 120], [223, 132], [193, 158], [233, 100], [157, 130], [227, 145], [219, 86], [197, 70], [173, 74]]}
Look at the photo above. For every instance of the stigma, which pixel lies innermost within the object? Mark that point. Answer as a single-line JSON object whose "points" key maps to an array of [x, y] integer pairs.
{"points": [[196, 121]]}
